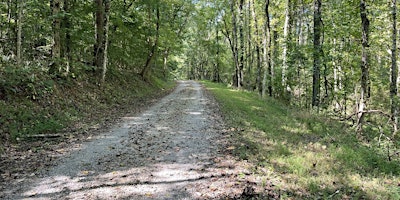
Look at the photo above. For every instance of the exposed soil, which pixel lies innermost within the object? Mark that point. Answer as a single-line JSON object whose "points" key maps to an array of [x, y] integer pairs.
{"points": [[176, 149]]}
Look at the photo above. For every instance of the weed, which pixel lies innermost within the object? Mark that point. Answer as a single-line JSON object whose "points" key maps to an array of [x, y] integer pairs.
{"points": [[312, 155]]}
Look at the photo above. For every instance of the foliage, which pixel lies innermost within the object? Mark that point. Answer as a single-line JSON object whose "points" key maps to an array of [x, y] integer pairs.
{"points": [[307, 155], [36, 99], [291, 59]]}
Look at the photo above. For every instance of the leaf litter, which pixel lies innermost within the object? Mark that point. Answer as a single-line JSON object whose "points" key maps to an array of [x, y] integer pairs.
{"points": [[176, 149]]}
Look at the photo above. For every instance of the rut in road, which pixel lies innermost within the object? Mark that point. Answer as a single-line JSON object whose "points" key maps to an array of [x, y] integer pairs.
{"points": [[173, 150]]}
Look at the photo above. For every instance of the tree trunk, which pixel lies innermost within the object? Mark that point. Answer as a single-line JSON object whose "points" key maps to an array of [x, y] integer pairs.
{"points": [[67, 37], [21, 5], [268, 49], [146, 68], [242, 47], [236, 77], [249, 49], [259, 82], [12, 29], [365, 86], [216, 77], [317, 54], [165, 63], [285, 45], [56, 48], [394, 70], [105, 41], [98, 46], [274, 56]]}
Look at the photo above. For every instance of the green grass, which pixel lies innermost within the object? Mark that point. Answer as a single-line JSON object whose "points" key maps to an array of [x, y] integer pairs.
{"points": [[307, 155]]}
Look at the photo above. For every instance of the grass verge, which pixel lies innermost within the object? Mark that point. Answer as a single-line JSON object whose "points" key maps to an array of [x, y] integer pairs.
{"points": [[305, 155]]}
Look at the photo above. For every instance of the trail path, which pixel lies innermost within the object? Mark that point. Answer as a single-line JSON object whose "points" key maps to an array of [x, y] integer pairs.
{"points": [[173, 150]]}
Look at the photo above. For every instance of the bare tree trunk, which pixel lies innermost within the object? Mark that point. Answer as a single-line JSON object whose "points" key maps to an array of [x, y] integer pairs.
{"points": [[265, 50], [67, 36], [258, 44], [165, 62], [98, 46], [365, 86], [56, 48], [11, 27], [394, 70], [285, 45], [105, 41], [317, 54], [274, 55], [21, 5], [242, 47], [249, 49], [216, 77], [234, 41], [268, 49]]}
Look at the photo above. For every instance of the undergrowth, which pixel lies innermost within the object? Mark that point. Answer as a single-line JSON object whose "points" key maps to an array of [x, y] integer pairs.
{"points": [[33, 102], [306, 155]]}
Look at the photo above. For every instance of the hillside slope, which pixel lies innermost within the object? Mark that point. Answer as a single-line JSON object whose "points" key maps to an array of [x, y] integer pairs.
{"points": [[40, 119]]}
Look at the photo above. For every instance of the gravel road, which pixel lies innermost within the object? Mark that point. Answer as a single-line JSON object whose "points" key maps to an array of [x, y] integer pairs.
{"points": [[173, 150]]}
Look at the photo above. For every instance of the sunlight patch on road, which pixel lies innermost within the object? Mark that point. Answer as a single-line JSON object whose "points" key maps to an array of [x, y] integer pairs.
{"points": [[195, 113], [153, 181]]}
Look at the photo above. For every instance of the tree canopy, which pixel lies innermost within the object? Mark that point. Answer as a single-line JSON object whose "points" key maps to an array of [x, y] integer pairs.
{"points": [[338, 56]]}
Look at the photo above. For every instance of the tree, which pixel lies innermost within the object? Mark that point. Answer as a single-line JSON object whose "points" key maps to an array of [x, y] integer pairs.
{"points": [[234, 47], [394, 69], [21, 5], [66, 29], [365, 90], [100, 47], [105, 41], [239, 72], [317, 53], [153, 44], [267, 53], [56, 48], [286, 38]]}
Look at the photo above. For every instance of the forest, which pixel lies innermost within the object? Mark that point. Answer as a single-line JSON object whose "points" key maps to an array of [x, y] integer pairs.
{"points": [[62, 59]]}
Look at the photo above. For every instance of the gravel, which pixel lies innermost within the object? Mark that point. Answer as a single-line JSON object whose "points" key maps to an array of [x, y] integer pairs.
{"points": [[173, 150]]}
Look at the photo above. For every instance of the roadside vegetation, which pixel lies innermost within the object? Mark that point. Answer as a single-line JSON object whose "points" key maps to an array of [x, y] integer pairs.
{"points": [[305, 154], [35, 105]]}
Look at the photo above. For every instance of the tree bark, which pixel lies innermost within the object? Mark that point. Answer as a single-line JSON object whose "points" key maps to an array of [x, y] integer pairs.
{"points": [[216, 77], [286, 30], [365, 86], [249, 46], [242, 47], [66, 47], [105, 41], [98, 46], [268, 49], [258, 43], [241, 51], [236, 77], [21, 5], [317, 54], [56, 48], [394, 70]]}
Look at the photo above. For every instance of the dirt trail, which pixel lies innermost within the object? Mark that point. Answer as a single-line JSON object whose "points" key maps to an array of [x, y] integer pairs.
{"points": [[173, 150]]}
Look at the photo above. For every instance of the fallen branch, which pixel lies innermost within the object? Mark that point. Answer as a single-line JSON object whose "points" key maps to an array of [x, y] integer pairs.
{"points": [[41, 136]]}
